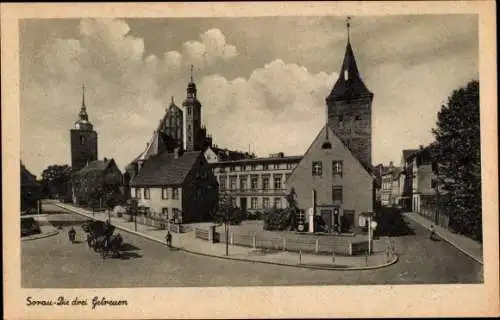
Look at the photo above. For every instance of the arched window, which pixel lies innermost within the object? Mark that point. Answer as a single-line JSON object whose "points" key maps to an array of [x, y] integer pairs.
{"points": [[82, 139], [341, 118], [357, 118]]}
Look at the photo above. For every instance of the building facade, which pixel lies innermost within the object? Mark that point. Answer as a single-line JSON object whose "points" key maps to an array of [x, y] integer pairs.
{"points": [[256, 184], [335, 178], [178, 186], [83, 139], [333, 183]]}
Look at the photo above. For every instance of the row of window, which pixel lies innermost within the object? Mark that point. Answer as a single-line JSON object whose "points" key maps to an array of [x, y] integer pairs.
{"points": [[254, 167], [256, 204], [337, 168], [166, 193], [254, 181]]}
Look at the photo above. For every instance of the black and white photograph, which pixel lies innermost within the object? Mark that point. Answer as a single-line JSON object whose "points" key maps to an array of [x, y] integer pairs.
{"points": [[253, 151]]}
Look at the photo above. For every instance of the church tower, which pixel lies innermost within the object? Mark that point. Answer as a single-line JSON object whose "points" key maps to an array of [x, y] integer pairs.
{"points": [[83, 139], [349, 108], [192, 110]]}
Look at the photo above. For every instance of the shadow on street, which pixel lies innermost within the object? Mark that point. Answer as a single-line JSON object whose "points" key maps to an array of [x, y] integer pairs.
{"points": [[128, 247], [129, 255], [391, 223]]}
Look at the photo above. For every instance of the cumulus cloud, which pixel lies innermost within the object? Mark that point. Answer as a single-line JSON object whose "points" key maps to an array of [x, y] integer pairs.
{"points": [[209, 50], [267, 111], [127, 93]]}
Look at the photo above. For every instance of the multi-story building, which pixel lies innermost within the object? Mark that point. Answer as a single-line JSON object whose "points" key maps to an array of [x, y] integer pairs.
{"points": [[334, 178], [256, 184], [386, 186], [425, 188], [177, 186], [397, 187], [407, 171]]}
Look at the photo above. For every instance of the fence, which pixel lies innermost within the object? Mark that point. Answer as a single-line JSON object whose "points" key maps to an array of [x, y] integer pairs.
{"points": [[158, 223], [289, 242]]}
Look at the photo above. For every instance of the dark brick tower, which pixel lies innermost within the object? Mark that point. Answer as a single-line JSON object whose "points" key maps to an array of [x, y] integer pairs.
{"points": [[83, 139], [192, 109], [349, 108], [172, 127]]}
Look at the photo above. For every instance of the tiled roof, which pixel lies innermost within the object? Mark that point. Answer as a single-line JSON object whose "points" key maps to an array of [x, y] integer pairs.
{"points": [[165, 169], [95, 166], [349, 84]]}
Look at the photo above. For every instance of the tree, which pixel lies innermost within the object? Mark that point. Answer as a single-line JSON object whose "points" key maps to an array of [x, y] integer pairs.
{"points": [[227, 214], [55, 178], [457, 152], [293, 209]]}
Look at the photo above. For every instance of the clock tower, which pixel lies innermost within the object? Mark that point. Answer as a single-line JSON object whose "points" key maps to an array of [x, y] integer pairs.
{"points": [[83, 139]]}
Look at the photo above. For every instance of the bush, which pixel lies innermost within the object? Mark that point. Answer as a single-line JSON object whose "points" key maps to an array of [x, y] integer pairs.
{"points": [[276, 219]]}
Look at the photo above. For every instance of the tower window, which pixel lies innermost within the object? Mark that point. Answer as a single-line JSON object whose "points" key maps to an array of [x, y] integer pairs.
{"points": [[189, 110], [82, 140], [341, 118], [357, 118], [346, 75]]}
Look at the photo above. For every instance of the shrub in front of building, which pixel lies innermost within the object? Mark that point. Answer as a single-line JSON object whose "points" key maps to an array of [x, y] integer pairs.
{"points": [[276, 219]]}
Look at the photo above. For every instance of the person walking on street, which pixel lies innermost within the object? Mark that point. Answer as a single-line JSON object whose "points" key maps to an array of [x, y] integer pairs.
{"points": [[89, 240], [431, 232], [169, 239]]}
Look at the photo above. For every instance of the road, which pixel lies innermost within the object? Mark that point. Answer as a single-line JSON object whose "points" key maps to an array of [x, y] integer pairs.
{"points": [[53, 262]]}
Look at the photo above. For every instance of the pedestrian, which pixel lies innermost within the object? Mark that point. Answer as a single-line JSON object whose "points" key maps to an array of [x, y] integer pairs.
{"points": [[72, 234], [431, 232], [89, 240], [169, 239]]}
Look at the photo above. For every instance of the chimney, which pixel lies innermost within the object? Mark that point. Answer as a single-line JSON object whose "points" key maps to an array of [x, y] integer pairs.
{"points": [[391, 164], [421, 147], [105, 159]]}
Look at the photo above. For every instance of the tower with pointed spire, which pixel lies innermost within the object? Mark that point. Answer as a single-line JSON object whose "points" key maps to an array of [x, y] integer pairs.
{"points": [[192, 108], [83, 139], [349, 107]]}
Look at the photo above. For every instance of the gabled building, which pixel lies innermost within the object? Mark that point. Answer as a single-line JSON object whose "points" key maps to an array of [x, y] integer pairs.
{"points": [[334, 178], [334, 183], [103, 174], [178, 186], [31, 191]]}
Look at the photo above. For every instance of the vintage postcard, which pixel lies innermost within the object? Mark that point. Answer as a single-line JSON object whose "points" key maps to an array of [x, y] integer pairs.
{"points": [[244, 160]]}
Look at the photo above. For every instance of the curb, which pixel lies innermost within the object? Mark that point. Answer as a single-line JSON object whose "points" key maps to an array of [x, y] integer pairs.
{"points": [[303, 266], [41, 236], [470, 255]]}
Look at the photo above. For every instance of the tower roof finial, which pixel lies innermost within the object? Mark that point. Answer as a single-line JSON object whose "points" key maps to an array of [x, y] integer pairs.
{"points": [[348, 25], [172, 99], [83, 96], [191, 74]]}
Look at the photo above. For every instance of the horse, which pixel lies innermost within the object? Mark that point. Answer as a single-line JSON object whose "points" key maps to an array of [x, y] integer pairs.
{"points": [[115, 243]]}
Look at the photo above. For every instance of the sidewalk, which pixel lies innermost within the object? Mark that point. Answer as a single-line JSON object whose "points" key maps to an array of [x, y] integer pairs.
{"points": [[189, 243], [47, 229], [468, 246]]}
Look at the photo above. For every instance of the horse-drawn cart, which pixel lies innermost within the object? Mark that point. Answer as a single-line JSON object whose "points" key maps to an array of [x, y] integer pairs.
{"points": [[100, 237]]}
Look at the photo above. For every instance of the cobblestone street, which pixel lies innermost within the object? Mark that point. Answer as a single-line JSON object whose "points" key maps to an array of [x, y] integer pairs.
{"points": [[56, 263]]}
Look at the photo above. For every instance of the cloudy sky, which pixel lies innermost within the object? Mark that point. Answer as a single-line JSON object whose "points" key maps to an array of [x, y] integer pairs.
{"points": [[262, 81]]}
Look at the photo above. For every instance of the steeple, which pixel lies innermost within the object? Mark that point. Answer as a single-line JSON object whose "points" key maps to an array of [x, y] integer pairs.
{"points": [[191, 88], [349, 84], [83, 118], [83, 110]]}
